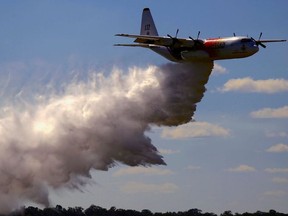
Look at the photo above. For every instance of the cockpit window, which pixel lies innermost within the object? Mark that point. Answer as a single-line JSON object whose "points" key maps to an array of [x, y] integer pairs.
{"points": [[245, 40]]}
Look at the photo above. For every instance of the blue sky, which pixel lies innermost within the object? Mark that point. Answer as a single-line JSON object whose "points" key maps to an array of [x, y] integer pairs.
{"points": [[234, 157]]}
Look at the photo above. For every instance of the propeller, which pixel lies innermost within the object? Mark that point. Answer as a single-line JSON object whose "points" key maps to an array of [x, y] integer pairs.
{"points": [[174, 39], [195, 41], [198, 35], [175, 35], [258, 42]]}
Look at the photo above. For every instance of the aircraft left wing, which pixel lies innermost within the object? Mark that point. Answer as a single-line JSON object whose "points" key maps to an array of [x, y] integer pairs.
{"points": [[160, 41], [138, 45]]}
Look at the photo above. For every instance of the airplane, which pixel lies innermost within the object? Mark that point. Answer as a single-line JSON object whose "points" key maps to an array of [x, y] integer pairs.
{"points": [[190, 49]]}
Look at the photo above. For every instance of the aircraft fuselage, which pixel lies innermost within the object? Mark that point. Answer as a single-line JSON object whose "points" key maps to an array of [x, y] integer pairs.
{"points": [[210, 49]]}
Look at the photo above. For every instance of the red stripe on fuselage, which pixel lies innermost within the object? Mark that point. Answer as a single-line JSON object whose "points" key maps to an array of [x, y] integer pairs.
{"points": [[212, 46]]}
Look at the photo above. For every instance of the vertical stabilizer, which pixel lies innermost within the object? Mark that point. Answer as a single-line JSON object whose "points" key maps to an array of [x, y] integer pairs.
{"points": [[147, 25]]}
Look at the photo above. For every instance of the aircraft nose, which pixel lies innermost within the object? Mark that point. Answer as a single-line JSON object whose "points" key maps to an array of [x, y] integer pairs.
{"points": [[254, 48]]}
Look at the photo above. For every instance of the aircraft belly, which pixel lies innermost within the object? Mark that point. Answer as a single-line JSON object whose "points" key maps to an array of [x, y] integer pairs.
{"points": [[165, 53], [230, 54], [195, 55]]}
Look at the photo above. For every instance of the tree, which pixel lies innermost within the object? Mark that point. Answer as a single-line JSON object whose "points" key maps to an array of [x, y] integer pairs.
{"points": [[194, 211], [272, 212], [146, 212], [32, 211], [95, 210], [227, 213]]}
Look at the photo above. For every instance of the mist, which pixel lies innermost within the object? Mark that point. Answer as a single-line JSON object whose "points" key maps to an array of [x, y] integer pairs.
{"points": [[59, 138]]}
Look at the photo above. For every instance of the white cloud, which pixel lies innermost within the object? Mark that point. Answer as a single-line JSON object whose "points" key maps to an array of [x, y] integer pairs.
{"points": [[247, 84], [276, 170], [281, 112], [277, 134], [193, 168], [280, 180], [276, 193], [139, 187], [218, 69], [278, 148], [168, 151], [195, 129], [142, 170], [242, 168]]}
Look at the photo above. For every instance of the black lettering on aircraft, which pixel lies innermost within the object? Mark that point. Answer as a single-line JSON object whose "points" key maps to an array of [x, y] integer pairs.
{"points": [[147, 27]]}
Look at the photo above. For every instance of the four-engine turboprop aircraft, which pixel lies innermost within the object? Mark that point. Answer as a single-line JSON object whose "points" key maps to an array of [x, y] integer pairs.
{"points": [[190, 49]]}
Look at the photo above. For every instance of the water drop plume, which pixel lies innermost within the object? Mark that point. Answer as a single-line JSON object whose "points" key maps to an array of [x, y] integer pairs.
{"points": [[57, 140]]}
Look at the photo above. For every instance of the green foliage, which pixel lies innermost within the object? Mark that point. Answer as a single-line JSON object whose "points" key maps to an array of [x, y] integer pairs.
{"points": [[113, 211]]}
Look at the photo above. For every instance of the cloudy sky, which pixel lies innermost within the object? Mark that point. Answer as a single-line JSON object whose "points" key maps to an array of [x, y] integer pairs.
{"points": [[233, 157]]}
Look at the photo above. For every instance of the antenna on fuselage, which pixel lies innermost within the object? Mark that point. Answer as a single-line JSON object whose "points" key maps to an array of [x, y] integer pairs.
{"points": [[234, 34]]}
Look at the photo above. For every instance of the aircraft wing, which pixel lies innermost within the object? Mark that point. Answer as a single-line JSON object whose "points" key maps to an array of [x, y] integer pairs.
{"points": [[138, 45], [270, 41], [161, 41]]}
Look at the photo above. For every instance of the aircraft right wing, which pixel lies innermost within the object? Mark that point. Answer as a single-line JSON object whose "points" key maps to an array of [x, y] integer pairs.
{"points": [[270, 41]]}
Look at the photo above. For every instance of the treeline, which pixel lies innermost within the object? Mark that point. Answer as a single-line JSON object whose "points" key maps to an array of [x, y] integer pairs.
{"points": [[99, 211]]}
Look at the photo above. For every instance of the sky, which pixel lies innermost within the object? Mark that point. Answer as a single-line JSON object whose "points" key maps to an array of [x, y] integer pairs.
{"points": [[233, 157]]}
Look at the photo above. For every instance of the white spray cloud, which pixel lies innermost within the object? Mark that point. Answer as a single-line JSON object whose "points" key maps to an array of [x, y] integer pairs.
{"points": [[56, 141]]}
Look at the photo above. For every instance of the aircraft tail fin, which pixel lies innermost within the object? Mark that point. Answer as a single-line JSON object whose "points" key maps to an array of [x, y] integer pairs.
{"points": [[147, 24]]}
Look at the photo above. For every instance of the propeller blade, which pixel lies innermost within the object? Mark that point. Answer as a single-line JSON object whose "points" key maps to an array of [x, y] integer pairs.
{"points": [[176, 33], [258, 42], [262, 45], [198, 35], [254, 40], [260, 36]]}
